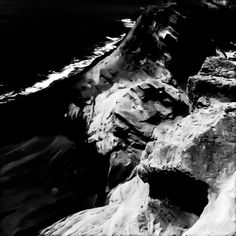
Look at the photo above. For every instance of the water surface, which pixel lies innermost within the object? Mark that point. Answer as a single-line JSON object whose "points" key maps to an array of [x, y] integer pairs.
{"points": [[39, 38]]}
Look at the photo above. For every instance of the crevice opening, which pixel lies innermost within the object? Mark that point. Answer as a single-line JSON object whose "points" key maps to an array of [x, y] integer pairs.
{"points": [[180, 189]]}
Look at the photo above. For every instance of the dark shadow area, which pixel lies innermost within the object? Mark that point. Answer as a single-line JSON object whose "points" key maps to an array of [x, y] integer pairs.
{"points": [[179, 189], [48, 170], [45, 179]]}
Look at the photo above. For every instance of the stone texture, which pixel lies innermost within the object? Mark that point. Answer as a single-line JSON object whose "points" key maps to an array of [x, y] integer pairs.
{"points": [[124, 118], [136, 110], [202, 144], [217, 78], [169, 41], [167, 171], [130, 212], [119, 217], [199, 148]]}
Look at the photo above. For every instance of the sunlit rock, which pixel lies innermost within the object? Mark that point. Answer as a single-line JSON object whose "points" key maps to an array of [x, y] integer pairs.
{"points": [[166, 158], [217, 79], [202, 144], [120, 216], [189, 172], [192, 163], [124, 118], [131, 211]]}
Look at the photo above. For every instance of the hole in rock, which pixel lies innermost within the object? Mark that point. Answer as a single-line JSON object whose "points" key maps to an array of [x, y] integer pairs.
{"points": [[180, 189]]}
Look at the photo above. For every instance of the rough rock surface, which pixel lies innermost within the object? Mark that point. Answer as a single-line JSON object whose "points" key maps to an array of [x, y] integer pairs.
{"points": [[130, 212], [190, 170], [202, 144], [217, 78], [157, 121], [188, 163], [132, 111]]}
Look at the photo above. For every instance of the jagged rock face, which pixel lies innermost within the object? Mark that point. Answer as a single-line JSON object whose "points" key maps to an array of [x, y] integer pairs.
{"points": [[126, 116], [116, 218], [201, 144], [167, 156], [122, 93], [187, 169], [190, 164], [217, 78], [130, 212], [168, 38]]}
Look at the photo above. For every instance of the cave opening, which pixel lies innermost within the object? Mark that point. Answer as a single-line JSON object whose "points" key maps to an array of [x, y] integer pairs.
{"points": [[180, 189]]}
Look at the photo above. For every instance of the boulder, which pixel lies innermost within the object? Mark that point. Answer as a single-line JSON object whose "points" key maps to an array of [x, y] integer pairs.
{"points": [[124, 117], [192, 163], [216, 79], [131, 211]]}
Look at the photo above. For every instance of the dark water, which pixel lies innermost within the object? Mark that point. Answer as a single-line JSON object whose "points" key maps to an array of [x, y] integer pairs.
{"points": [[39, 36]]}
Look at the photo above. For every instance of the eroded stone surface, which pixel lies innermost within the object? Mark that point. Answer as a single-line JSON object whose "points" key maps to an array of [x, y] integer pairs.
{"points": [[217, 78], [133, 109], [119, 217], [200, 148], [130, 212], [202, 144], [124, 118]]}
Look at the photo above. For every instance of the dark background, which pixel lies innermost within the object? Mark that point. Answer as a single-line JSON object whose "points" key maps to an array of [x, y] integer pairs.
{"points": [[37, 36]]}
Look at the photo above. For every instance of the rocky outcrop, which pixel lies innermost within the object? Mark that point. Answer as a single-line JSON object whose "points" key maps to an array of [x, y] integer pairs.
{"points": [[156, 120], [169, 42], [190, 170], [181, 145], [217, 78], [119, 217], [124, 118], [130, 212], [202, 147], [202, 144]]}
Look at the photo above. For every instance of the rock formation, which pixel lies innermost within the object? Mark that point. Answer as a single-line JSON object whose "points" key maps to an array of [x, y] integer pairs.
{"points": [[157, 118]]}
